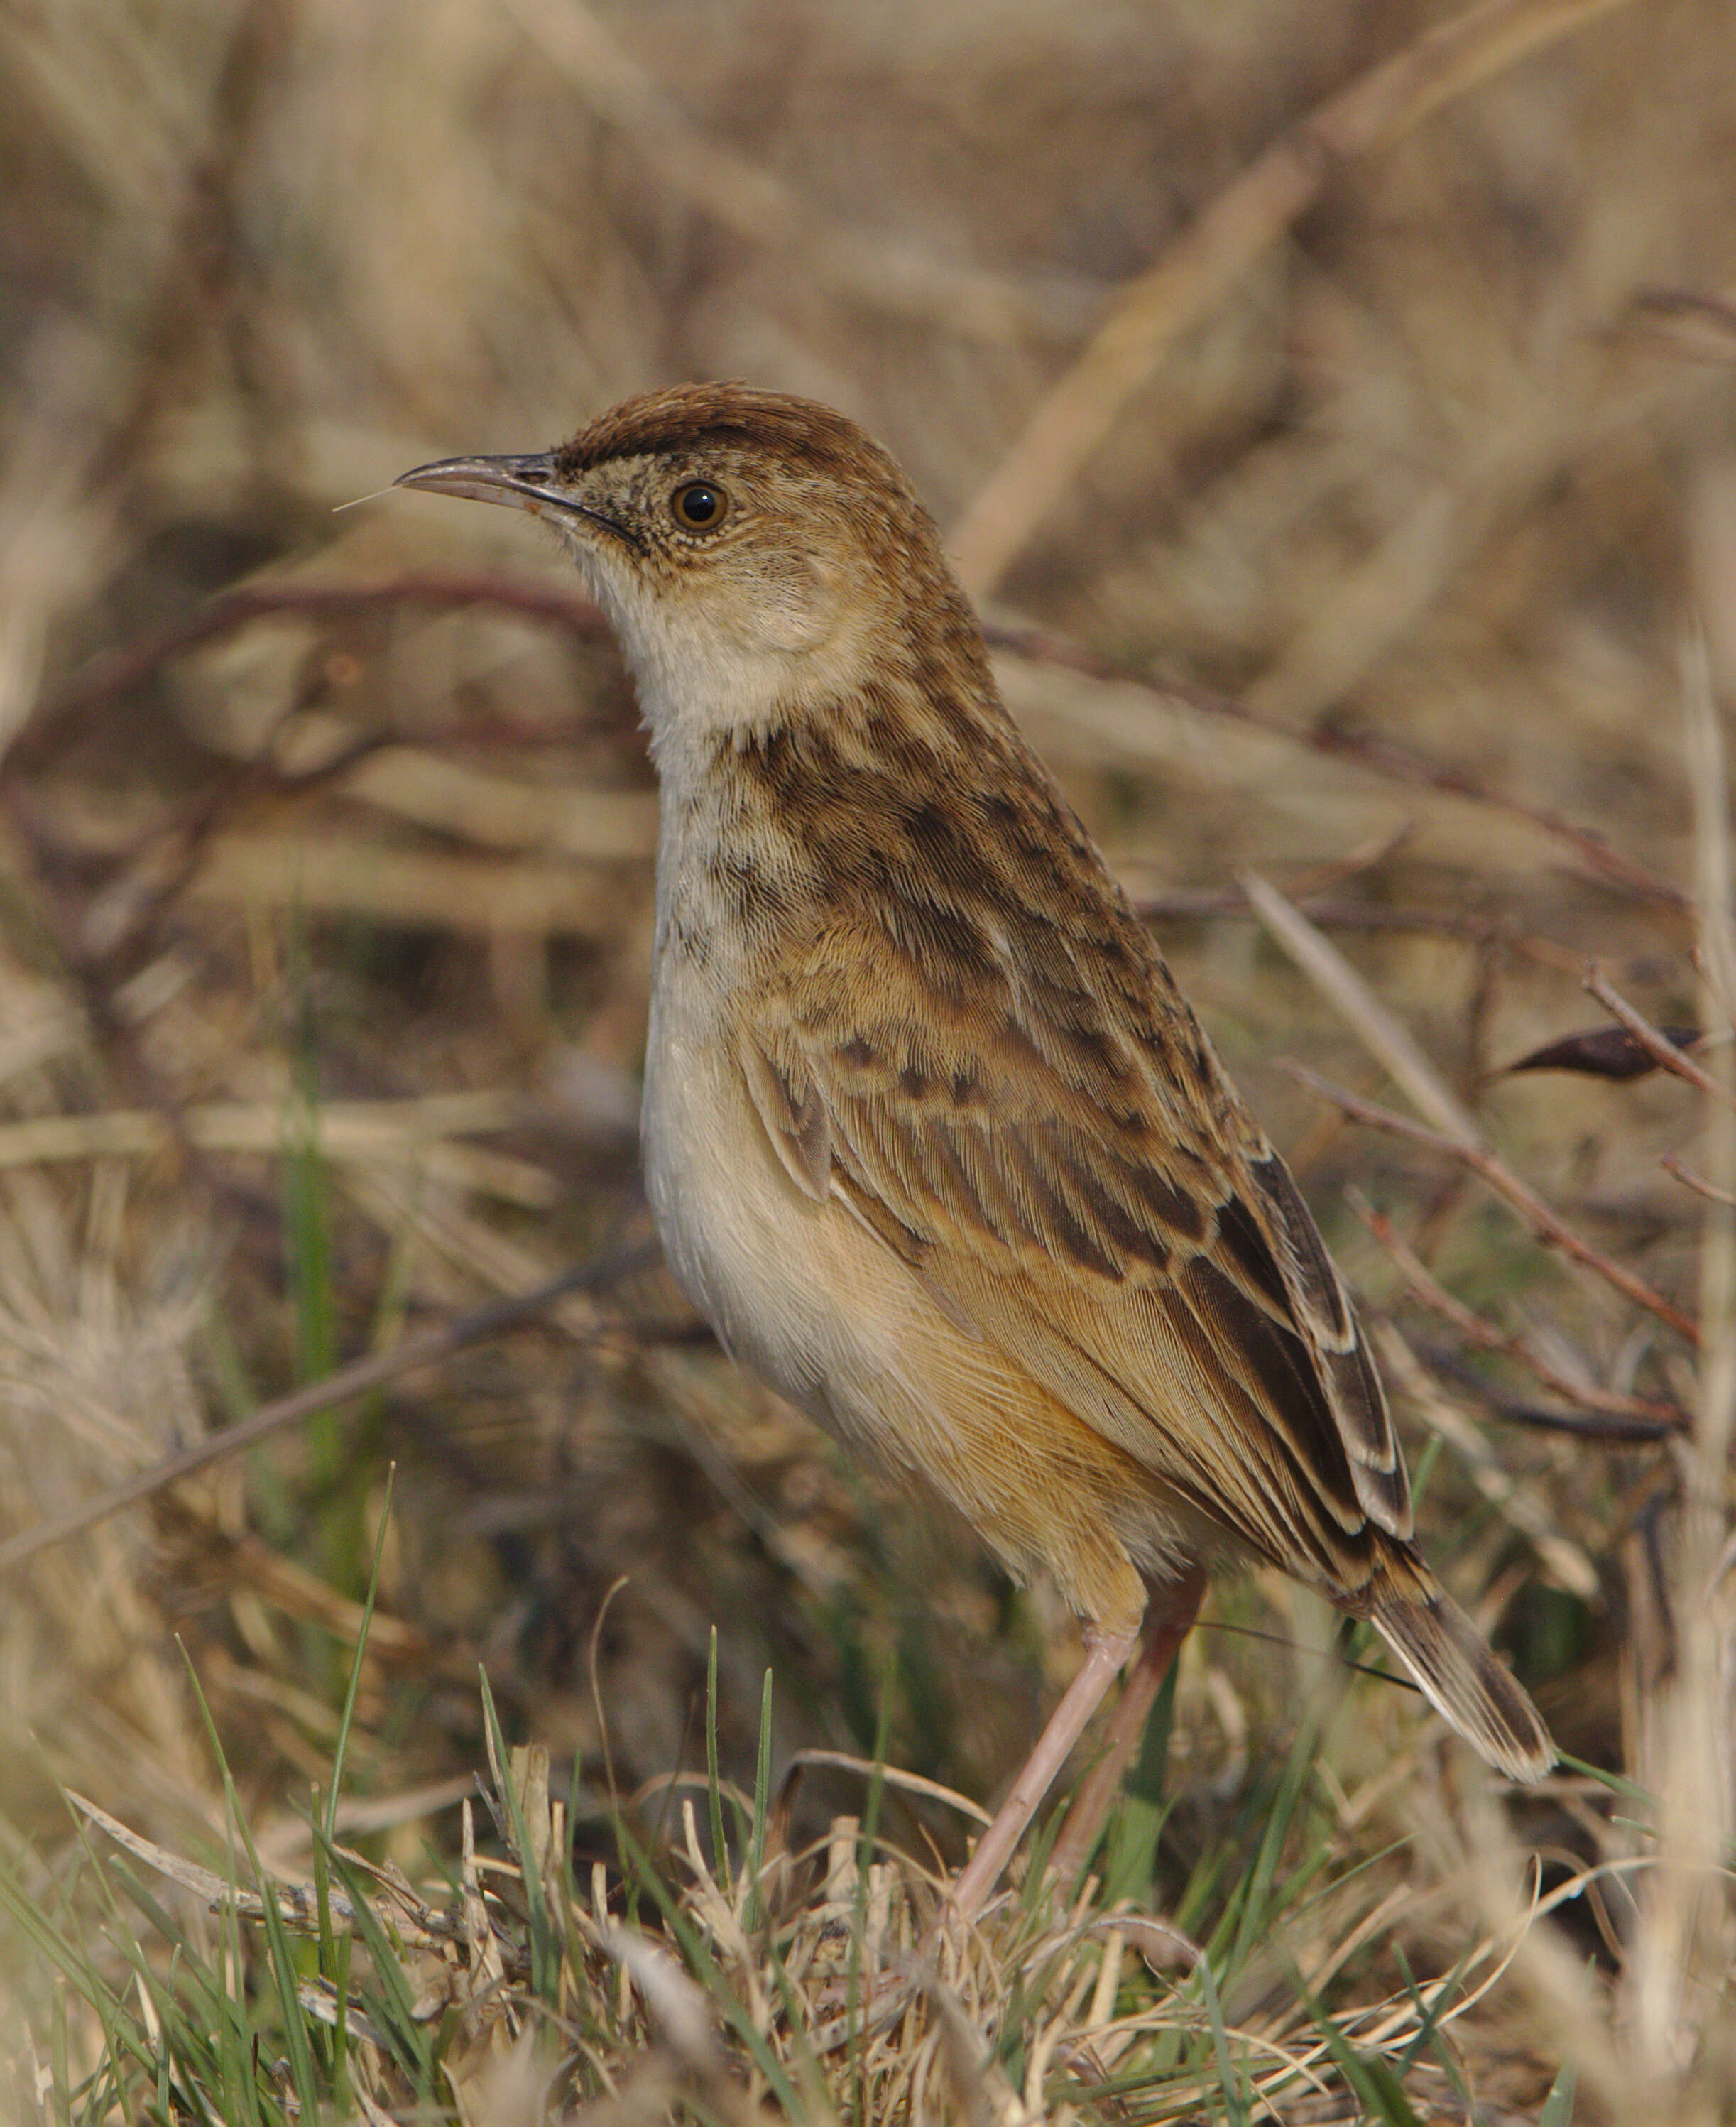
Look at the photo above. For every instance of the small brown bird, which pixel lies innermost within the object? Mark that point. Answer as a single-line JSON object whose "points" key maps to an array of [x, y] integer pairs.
{"points": [[931, 1137]]}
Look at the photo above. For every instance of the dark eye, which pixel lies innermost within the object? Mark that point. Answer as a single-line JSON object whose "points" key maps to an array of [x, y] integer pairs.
{"points": [[699, 506]]}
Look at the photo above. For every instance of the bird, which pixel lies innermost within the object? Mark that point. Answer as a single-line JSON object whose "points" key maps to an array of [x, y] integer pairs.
{"points": [[931, 1137]]}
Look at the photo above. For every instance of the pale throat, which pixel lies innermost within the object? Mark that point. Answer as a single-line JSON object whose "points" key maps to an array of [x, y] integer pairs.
{"points": [[703, 688], [732, 655]]}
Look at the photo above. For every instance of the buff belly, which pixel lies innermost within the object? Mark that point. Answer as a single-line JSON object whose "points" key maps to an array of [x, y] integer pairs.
{"points": [[803, 1293]]}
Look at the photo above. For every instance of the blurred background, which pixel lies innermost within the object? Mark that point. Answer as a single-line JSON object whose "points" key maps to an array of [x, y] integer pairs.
{"points": [[1368, 369]]}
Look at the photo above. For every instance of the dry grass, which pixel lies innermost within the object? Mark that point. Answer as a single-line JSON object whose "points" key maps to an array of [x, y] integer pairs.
{"points": [[1340, 402]]}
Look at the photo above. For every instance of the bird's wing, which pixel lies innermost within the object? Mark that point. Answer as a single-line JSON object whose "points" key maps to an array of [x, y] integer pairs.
{"points": [[1071, 1175]]}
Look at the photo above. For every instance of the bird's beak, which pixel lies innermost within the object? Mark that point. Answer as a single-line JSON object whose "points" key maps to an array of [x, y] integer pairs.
{"points": [[529, 483]]}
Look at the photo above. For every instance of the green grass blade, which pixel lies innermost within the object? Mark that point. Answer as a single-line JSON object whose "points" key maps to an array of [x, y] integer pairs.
{"points": [[392, 2007], [1371, 2080], [1260, 1899], [1557, 2107], [1131, 1863], [721, 1864], [545, 1948], [334, 1966], [349, 1713], [762, 1804], [702, 1966], [1235, 2104], [1629, 1790], [280, 1960]]}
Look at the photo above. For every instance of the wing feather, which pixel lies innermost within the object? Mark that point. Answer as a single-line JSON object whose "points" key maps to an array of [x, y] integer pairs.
{"points": [[1136, 1246], [793, 1114]]}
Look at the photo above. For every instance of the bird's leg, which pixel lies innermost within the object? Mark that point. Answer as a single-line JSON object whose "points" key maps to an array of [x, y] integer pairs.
{"points": [[1105, 1652], [1170, 1612]]}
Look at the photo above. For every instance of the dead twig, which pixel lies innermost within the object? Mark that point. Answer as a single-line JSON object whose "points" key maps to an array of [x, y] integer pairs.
{"points": [[1610, 1431], [65, 715], [1701, 1187], [1211, 255], [1401, 764], [1663, 1052], [1548, 1227], [1662, 1418], [359, 1378], [1693, 323], [1387, 758]]}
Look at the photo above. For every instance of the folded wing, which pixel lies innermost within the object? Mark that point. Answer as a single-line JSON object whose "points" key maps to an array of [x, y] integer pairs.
{"points": [[1101, 1207]]}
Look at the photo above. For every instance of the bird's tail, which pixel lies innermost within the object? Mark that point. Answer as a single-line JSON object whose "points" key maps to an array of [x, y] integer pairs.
{"points": [[1459, 1673]]}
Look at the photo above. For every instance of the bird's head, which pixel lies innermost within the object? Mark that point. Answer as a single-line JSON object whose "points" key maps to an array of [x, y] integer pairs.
{"points": [[758, 554]]}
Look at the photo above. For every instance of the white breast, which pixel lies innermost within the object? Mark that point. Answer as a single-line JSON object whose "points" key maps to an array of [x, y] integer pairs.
{"points": [[799, 1291], [774, 1273]]}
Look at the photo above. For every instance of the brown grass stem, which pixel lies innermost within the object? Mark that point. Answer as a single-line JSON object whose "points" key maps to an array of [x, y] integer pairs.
{"points": [[1379, 1030], [1217, 250]]}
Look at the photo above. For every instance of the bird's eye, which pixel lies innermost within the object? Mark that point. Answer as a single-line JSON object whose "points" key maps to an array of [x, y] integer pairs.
{"points": [[698, 506]]}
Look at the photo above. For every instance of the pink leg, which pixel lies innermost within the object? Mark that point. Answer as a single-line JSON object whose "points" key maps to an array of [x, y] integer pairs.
{"points": [[1104, 1655], [1169, 1614]]}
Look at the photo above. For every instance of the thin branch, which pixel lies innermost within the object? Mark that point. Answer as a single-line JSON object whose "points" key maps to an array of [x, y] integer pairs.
{"points": [[1546, 1224], [1660, 1418], [1217, 250], [1387, 758], [1453, 1366], [1693, 323], [1701, 1187], [359, 1378], [1657, 1044], [65, 715], [1402, 763]]}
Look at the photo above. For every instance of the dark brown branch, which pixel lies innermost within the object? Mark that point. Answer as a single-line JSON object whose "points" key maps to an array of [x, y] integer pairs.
{"points": [[64, 717], [1611, 1430], [1548, 1227], [1380, 756], [1658, 1419], [1666, 1054]]}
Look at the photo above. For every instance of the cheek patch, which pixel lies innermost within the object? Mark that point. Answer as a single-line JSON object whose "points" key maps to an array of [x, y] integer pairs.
{"points": [[793, 606]]}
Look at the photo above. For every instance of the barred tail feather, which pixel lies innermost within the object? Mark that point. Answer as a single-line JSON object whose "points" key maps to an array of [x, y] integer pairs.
{"points": [[1459, 1676]]}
